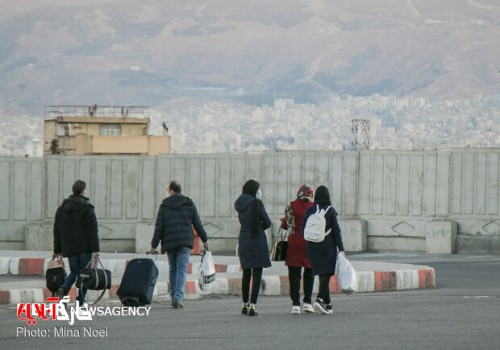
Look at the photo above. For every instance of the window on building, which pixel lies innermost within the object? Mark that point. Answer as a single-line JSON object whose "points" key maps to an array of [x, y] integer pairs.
{"points": [[111, 130], [63, 129]]}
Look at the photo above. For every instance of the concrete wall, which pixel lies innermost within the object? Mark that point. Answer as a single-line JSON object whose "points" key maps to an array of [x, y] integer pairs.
{"points": [[435, 202]]}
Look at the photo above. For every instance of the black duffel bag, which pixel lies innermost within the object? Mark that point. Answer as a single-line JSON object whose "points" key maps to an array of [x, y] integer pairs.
{"points": [[94, 278]]}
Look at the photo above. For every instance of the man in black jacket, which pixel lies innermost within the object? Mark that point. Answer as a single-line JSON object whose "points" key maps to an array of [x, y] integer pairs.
{"points": [[174, 228], [75, 236]]}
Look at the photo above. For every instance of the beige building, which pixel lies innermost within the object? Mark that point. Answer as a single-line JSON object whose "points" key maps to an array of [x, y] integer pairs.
{"points": [[101, 130]]}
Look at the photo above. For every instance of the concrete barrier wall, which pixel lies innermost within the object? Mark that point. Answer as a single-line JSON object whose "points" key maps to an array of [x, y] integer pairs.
{"points": [[22, 191], [475, 199], [400, 193], [386, 200]]}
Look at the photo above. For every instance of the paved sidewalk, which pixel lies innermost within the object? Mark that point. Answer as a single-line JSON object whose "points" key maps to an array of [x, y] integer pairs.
{"points": [[22, 276]]}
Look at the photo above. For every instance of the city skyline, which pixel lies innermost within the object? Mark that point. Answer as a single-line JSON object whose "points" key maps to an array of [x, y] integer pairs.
{"points": [[435, 64], [394, 123]]}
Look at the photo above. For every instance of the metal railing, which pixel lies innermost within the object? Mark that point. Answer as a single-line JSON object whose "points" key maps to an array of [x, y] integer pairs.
{"points": [[95, 111]]}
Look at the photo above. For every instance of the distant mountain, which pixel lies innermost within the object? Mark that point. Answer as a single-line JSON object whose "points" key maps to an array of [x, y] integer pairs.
{"points": [[158, 52]]}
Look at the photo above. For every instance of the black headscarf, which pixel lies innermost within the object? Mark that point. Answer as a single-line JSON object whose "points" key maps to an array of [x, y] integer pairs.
{"points": [[322, 196], [251, 187]]}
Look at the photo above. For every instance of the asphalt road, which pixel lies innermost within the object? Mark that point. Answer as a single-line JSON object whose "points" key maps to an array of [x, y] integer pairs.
{"points": [[463, 312]]}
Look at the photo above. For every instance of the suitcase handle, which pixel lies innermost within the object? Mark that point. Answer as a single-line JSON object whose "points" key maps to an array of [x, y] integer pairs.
{"points": [[155, 254]]}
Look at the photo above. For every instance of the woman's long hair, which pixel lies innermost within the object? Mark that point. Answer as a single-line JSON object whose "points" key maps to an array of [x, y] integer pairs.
{"points": [[251, 187], [322, 196]]}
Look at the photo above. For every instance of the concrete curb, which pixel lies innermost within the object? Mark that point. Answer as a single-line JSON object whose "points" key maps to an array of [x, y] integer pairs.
{"points": [[37, 266], [372, 277], [368, 282]]}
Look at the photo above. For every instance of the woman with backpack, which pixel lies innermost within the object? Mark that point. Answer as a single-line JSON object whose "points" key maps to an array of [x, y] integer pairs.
{"points": [[296, 253], [322, 245]]}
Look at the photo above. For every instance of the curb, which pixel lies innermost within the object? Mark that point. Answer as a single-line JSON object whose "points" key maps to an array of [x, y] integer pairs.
{"points": [[230, 284], [38, 266]]}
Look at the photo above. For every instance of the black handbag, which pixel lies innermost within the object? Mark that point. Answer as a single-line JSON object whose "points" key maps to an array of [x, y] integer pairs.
{"points": [[280, 246], [55, 275], [94, 278]]}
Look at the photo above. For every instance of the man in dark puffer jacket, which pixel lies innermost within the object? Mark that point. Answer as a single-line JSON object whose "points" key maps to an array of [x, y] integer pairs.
{"points": [[174, 228], [75, 236]]}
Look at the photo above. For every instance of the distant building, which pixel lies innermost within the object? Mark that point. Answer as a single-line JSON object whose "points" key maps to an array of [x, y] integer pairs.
{"points": [[100, 130], [33, 148]]}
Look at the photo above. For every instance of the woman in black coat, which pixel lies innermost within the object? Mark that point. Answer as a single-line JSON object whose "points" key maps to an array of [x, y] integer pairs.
{"points": [[323, 255], [252, 243]]}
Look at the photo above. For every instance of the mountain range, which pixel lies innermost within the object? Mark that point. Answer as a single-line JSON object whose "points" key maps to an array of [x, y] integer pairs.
{"points": [[174, 53]]}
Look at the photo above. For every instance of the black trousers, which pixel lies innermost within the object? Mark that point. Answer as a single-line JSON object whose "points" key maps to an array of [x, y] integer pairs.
{"points": [[256, 276], [294, 276], [324, 288]]}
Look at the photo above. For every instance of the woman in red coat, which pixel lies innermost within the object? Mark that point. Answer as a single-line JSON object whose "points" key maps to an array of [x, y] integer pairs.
{"points": [[296, 254]]}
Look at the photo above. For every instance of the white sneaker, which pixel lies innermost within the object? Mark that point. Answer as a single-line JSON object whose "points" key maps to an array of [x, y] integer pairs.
{"points": [[295, 310], [308, 308]]}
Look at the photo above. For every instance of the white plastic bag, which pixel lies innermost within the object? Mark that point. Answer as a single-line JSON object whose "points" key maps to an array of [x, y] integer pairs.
{"points": [[207, 270], [346, 274]]}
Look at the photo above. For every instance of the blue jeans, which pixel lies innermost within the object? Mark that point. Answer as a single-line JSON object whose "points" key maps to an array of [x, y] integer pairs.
{"points": [[76, 262], [178, 261]]}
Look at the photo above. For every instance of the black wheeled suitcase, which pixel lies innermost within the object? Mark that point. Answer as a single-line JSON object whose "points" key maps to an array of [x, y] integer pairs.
{"points": [[138, 282]]}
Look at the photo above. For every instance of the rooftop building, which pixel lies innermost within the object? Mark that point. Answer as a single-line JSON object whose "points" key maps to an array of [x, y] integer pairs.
{"points": [[101, 130]]}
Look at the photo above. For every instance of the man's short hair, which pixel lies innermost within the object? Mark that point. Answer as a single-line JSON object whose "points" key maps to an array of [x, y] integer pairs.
{"points": [[175, 186], [79, 187]]}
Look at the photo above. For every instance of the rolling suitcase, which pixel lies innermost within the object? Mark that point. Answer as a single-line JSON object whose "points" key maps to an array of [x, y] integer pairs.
{"points": [[138, 282]]}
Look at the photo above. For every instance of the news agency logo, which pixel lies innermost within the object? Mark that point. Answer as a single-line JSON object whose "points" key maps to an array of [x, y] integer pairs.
{"points": [[52, 310], [55, 309]]}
